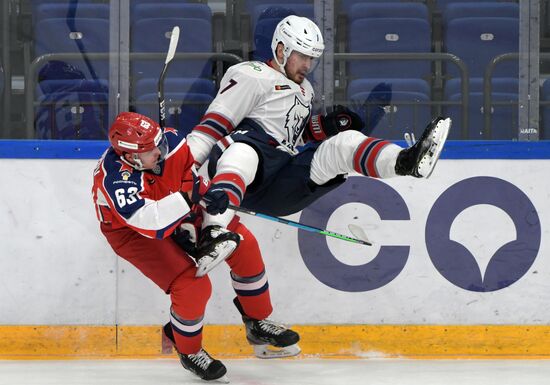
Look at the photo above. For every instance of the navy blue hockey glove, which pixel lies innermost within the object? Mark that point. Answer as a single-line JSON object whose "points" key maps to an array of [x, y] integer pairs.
{"points": [[215, 200], [187, 232], [340, 119], [379, 97], [212, 198]]}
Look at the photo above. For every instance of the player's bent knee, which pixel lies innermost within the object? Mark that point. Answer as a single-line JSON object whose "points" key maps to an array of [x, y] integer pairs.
{"points": [[190, 294], [349, 138], [241, 158]]}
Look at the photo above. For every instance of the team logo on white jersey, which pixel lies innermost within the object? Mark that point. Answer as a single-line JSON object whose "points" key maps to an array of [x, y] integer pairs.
{"points": [[296, 119]]}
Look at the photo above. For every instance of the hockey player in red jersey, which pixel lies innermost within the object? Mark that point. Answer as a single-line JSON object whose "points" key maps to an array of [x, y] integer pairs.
{"points": [[145, 188], [248, 138]]}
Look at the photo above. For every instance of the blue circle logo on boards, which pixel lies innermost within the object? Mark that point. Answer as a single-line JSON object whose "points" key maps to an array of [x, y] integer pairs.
{"points": [[317, 256], [452, 259], [510, 262]]}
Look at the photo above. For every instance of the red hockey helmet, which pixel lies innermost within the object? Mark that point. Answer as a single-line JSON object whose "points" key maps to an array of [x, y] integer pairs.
{"points": [[135, 133]]}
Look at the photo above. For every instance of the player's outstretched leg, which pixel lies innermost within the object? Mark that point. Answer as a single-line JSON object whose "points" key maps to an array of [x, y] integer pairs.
{"points": [[419, 160], [216, 244], [200, 363], [269, 339]]}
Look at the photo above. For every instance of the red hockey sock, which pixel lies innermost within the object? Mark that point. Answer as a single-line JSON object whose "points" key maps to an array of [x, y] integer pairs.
{"points": [[248, 276], [189, 296], [364, 158]]}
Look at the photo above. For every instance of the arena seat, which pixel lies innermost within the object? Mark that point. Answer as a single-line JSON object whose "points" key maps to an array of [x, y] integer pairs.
{"points": [[389, 35], [79, 98], [73, 114], [545, 110], [183, 109], [409, 111], [189, 87], [504, 114], [378, 10], [477, 40], [480, 9], [442, 5]]}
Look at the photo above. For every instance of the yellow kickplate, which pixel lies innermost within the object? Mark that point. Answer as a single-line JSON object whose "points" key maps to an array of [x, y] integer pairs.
{"points": [[323, 341]]}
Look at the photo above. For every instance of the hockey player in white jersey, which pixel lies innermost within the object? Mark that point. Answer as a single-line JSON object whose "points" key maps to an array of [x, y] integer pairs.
{"points": [[263, 112]]}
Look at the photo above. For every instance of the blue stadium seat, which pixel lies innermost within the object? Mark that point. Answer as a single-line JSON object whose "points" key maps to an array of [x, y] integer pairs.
{"points": [[480, 9], [477, 40], [73, 114], [504, 117], [138, 2], [249, 5], [163, 9], [153, 35], [388, 10], [77, 10], [189, 87], [36, 3], [45, 87], [442, 5], [389, 35], [182, 85], [82, 36], [73, 98], [345, 5], [183, 110], [410, 110]]}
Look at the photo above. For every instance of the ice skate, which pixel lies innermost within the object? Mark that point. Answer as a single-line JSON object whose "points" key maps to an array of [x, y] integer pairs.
{"points": [[269, 339], [216, 244], [420, 159], [201, 363], [204, 366]]}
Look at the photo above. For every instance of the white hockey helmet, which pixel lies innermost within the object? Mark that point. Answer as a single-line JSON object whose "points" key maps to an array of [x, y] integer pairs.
{"points": [[297, 34]]}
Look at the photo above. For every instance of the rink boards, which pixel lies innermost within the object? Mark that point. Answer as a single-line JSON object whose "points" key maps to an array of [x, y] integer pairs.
{"points": [[458, 268]]}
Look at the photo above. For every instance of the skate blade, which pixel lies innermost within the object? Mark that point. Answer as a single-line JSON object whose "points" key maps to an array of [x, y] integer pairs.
{"points": [[223, 379], [440, 143], [223, 253], [268, 351]]}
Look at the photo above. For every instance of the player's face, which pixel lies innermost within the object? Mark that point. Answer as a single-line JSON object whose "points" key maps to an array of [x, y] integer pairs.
{"points": [[298, 66], [150, 159]]}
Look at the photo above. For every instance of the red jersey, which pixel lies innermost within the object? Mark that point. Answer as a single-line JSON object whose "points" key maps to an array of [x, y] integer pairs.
{"points": [[147, 201]]}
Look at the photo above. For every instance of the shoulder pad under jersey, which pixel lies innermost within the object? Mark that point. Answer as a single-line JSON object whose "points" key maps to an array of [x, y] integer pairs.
{"points": [[252, 68]]}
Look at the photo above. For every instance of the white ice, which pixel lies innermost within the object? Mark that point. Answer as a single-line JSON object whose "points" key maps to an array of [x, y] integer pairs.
{"points": [[281, 372]]}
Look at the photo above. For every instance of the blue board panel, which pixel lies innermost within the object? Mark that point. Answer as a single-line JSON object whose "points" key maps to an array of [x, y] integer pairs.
{"points": [[92, 149]]}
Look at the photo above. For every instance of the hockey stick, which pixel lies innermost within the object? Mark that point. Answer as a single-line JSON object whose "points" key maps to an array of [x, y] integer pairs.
{"points": [[355, 230], [174, 37]]}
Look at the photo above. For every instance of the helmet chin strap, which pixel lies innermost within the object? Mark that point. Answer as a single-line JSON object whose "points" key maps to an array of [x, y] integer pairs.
{"points": [[135, 163], [138, 165], [281, 66]]}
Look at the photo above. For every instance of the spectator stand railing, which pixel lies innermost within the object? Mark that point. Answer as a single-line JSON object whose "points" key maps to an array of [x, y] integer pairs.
{"points": [[31, 76], [432, 56]]}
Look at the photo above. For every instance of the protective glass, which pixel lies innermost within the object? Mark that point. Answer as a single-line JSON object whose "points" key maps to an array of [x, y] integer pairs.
{"points": [[163, 147]]}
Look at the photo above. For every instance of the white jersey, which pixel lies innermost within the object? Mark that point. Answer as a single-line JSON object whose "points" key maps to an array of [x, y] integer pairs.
{"points": [[256, 91]]}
